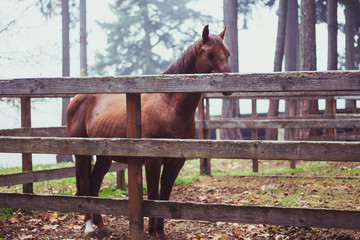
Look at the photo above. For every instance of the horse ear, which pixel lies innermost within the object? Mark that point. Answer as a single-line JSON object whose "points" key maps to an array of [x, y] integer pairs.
{"points": [[222, 34], [205, 34]]}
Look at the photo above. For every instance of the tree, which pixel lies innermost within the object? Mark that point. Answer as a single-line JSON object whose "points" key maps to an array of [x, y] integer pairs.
{"points": [[233, 8], [141, 29], [332, 54], [292, 52], [230, 107], [308, 58], [271, 134]]}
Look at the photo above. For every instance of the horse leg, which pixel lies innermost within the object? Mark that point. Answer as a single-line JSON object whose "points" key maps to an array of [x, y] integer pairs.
{"points": [[171, 169], [152, 170], [83, 170], [101, 167]]}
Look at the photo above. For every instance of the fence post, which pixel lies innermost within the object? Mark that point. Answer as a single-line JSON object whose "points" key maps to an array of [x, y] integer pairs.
{"points": [[120, 180], [292, 109], [330, 112], [133, 108], [26, 157], [254, 133], [205, 164]]}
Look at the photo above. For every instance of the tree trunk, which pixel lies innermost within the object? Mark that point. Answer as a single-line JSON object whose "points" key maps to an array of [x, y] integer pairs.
{"points": [[271, 134], [332, 57], [65, 67], [292, 37], [308, 59], [349, 41], [230, 107], [332, 34], [291, 54]]}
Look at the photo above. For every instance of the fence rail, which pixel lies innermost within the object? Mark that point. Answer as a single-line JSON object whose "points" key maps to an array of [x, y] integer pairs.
{"points": [[146, 147], [280, 84], [44, 175], [300, 217]]}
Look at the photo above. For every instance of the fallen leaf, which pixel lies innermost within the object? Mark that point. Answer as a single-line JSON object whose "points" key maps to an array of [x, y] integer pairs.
{"points": [[3, 224], [49, 227], [14, 220]]}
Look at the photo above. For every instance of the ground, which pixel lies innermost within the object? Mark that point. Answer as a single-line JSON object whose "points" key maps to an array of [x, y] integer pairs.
{"points": [[298, 189]]}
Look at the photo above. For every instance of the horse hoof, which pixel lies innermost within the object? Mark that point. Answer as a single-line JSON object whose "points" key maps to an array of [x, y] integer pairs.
{"points": [[99, 234], [103, 232], [162, 236], [88, 227]]}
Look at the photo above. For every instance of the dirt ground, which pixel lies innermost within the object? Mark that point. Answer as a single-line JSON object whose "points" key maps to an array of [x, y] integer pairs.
{"points": [[251, 190]]}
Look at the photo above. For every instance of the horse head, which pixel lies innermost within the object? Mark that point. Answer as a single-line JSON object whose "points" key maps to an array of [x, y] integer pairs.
{"points": [[213, 55]]}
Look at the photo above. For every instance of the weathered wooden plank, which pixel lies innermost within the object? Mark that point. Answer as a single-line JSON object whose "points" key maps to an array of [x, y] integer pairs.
{"points": [[35, 132], [213, 124], [44, 175], [26, 157], [301, 217], [288, 95], [267, 150], [133, 130], [279, 123], [64, 203], [330, 81]]}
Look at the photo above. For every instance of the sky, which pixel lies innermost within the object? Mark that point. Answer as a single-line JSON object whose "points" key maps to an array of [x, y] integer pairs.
{"points": [[31, 47]]}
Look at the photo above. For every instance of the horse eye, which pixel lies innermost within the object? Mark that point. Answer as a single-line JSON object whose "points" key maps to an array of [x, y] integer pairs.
{"points": [[210, 55]]}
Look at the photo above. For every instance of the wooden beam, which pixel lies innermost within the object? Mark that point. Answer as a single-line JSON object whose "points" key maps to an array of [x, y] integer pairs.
{"points": [[26, 157], [35, 132], [300, 217], [279, 123], [44, 175], [133, 130], [232, 149], [334, 82]]}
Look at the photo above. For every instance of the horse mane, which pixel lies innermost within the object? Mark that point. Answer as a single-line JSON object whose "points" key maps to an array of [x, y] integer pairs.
{"points": [[185, 63]]}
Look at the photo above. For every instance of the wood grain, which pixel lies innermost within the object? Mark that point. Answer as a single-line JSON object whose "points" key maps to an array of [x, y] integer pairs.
{"points": [[232, 149]]}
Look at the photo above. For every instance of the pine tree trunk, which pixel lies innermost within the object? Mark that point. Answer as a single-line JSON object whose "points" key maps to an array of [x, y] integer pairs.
{"points": [[230, 107], [291, 53], [349, 41], [271, 134], [308, 59], [65, 67], [332, 57], [147, 44]]}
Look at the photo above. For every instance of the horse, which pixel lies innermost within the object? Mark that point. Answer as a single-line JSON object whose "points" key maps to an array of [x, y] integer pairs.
{"points": [[164, 115]]}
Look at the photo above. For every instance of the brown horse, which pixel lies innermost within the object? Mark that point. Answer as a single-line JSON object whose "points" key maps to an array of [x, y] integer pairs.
{"points": [[164, 115]]}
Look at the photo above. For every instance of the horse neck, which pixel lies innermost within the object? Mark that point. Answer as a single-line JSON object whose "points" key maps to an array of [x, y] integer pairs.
{"points": [[185, 103]]}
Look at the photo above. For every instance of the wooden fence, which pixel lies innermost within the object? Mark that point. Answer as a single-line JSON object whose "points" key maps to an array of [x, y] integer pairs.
{"points": [[289, 84]]}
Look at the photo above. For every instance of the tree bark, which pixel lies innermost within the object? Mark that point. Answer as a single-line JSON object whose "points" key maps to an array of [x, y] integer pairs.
{"points": [[308, 59], [271, 134], [349, 41], [291, 54], [65, 67], [230, 107], [332, 34], [332, 25]]}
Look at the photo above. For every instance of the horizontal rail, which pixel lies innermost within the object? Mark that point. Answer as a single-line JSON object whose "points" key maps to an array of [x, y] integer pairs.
{"points": [[266, 150], [35, 132], [45, 175], [334, 82], [300, 217], [305, 95], [279, 123], [318, 122]]}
